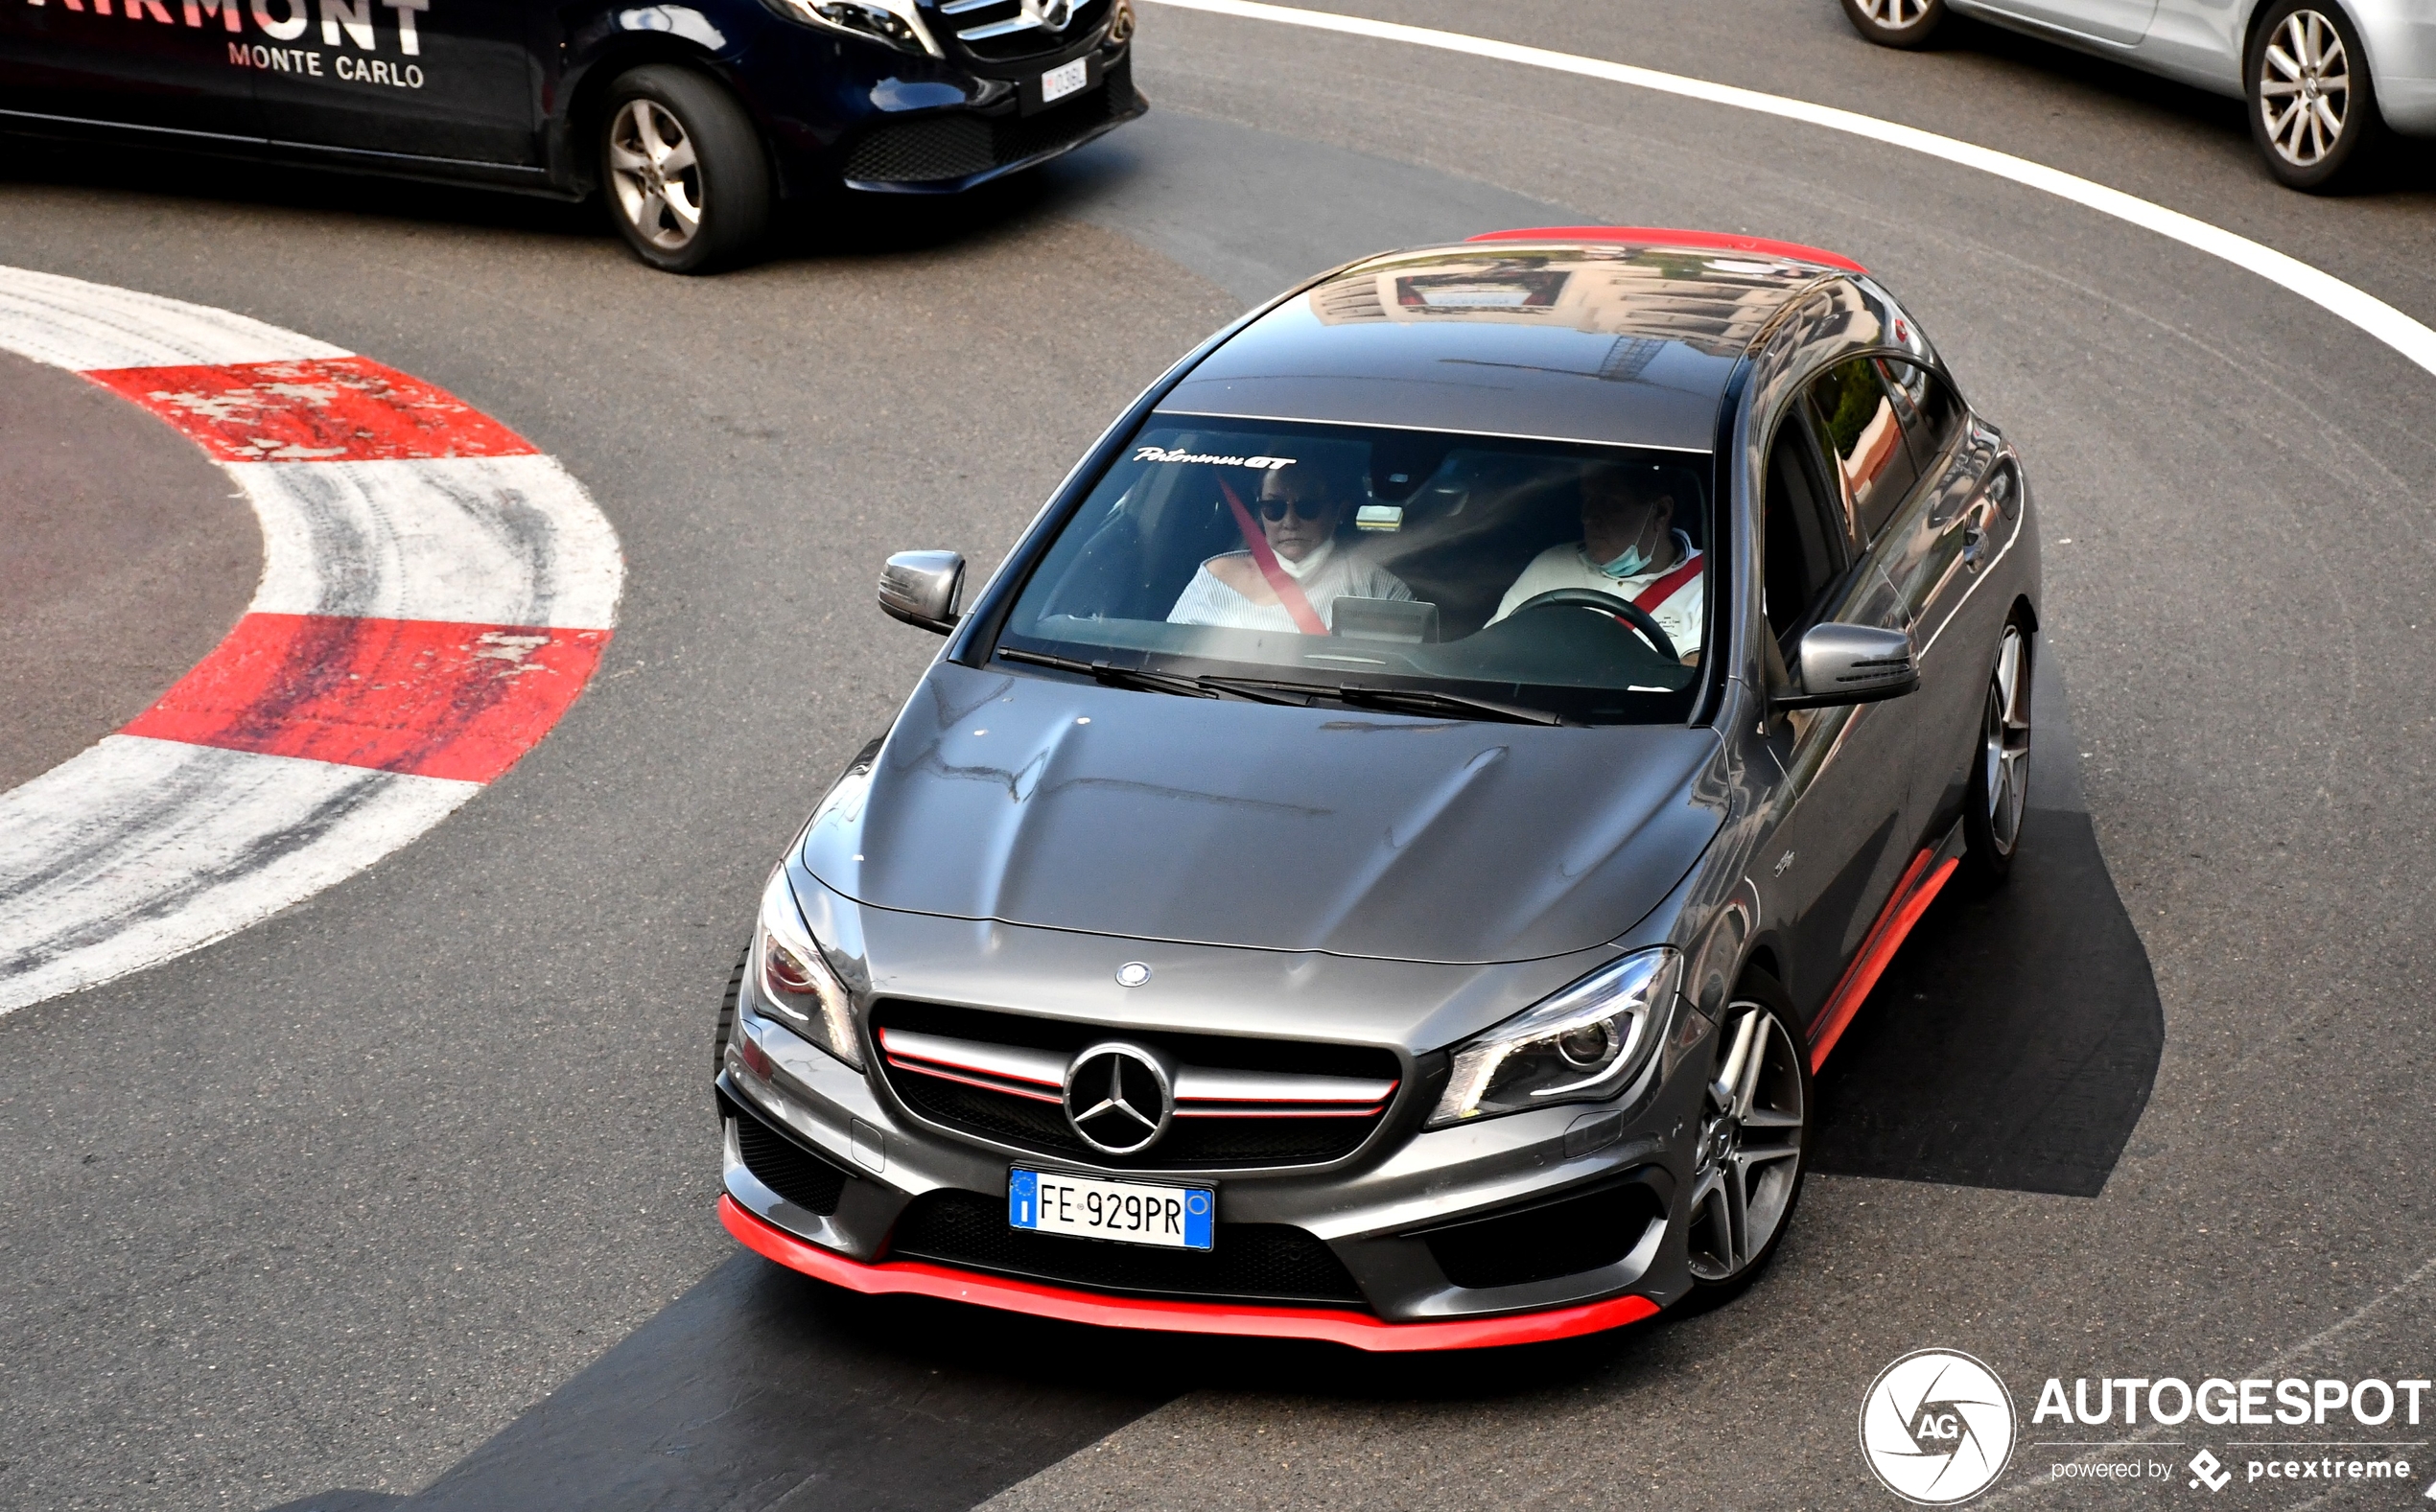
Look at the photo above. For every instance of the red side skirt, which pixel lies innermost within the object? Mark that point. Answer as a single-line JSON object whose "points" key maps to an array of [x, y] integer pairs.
{"points": [[920, 1278]]}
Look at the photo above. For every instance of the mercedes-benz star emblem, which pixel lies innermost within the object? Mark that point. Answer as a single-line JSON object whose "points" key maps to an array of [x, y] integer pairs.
{"points": [[1118, 1098], [1133, 973]]}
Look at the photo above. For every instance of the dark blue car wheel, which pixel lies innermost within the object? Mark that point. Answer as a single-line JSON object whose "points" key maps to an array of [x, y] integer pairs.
{"points": [[682, 171]]}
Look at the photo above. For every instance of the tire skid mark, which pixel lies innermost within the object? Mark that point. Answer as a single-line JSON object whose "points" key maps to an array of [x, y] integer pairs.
{"points": [[497, 540], [92, 891], [435, 594]]}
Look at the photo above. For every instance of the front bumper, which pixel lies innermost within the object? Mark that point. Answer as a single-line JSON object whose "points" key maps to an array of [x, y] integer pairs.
{"points": [[1328, 1325], [949, 151], [859, 1173]]}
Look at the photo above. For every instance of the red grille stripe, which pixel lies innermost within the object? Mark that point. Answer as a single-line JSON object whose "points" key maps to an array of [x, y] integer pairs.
{"points": [[1371, 1111], [902, 1064]]}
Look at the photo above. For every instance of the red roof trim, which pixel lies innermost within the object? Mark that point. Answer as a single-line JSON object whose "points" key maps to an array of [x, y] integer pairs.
{"points": [[1661, 236], [918, 1278]]}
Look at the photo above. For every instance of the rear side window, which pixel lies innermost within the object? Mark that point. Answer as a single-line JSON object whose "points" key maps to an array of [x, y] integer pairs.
{"points": [[1930, 413], [1856, 420], [1801, 539]]}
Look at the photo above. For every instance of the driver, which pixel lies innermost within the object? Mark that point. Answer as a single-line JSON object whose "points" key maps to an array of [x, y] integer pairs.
{"points": [[1298, 509], [1630, 550]]}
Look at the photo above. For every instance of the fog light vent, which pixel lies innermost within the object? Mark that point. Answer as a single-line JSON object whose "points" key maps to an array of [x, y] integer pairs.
{"points": [[1562, 1238]]}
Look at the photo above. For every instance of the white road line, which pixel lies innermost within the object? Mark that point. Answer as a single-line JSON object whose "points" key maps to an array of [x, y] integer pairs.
{"points": [[499, 541], [2361, 308], [70, 324], [137, 851]]}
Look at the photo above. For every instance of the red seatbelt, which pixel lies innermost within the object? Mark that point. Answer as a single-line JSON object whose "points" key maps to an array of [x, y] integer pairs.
{"points": [[1658, 593], [1289, 592]]}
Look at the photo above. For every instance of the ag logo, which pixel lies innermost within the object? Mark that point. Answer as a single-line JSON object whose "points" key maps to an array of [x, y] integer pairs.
{"points": [[1937, 1426]]}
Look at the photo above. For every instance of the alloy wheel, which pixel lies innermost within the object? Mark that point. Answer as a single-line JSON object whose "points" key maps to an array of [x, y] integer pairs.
{"points": [[2304, 88], [2005, 731], [1749, 1162], [1895, 14], [654, 173]]}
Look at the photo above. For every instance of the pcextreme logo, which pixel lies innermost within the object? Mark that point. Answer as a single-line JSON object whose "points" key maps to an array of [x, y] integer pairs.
{"points": [[1937, 1426]]}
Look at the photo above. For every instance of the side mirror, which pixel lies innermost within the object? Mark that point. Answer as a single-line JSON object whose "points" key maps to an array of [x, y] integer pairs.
{"points": [[1851, 664], [921, 588]]}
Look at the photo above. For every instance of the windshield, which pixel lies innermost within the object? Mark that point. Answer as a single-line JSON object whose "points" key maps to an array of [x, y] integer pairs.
{"points": [[1430, 570]]}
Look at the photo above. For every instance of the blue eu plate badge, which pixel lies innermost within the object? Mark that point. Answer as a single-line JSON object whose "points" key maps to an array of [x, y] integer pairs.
{"points": [[1126, 1212]]}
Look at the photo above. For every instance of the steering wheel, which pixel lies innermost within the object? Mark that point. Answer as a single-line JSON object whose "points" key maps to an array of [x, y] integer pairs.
{"points": [[1624, 610]]}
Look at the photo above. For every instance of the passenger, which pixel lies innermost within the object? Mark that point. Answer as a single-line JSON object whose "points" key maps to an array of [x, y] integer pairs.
{"points": [[1298, 509], [1628, 548]]}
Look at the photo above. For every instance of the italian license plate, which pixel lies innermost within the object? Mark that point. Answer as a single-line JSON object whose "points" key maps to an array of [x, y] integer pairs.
{"points": [[1064, 79], [1128, 1212]]}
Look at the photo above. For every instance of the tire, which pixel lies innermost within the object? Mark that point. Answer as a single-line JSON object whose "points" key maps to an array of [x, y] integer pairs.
{"points": [[682, 171], [1896, 23], [1769, 1161], [1998, 793], [727, 1014], [2314, 138]]}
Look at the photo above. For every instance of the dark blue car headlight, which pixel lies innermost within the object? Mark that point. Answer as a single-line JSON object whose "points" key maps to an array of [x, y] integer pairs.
{"points": [[896, 22], [1586, 1044]]}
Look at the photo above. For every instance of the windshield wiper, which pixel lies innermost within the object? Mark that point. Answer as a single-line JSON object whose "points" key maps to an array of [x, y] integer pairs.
{"points": [[1430, 701], [1134, 677], [1424, 700], [1261, 691]]}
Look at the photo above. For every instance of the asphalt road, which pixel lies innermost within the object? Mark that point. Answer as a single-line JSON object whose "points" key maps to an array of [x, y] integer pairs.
{"points": [[405, 1195]]}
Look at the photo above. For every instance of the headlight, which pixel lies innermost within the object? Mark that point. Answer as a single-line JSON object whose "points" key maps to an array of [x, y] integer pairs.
{"points": [[795, 983], [896, 22], [1584, 1045]]}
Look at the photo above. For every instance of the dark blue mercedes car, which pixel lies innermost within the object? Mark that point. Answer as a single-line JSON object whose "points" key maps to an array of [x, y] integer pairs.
{"points": [[694, 121]]}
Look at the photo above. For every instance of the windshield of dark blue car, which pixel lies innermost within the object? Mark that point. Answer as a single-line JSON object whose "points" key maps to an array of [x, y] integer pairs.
{"points": [[1438, 574]]}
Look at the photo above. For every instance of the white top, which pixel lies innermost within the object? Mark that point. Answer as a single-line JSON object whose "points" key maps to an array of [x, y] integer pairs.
{"points": [[1325, 576], [1566, 565]]}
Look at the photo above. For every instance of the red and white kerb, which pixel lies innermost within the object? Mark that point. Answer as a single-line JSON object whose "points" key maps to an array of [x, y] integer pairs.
{"points": [[436, 593]]}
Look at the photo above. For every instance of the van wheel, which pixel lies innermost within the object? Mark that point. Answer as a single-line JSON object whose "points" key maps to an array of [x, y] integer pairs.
{"points": [[1896, 23], [682, 171]]}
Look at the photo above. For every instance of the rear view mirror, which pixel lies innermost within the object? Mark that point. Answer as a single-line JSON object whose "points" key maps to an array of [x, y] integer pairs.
{"points": [[1851, 664], [921, 588]]}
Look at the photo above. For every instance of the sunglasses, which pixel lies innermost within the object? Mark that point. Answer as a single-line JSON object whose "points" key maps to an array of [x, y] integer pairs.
{"points": [[1303, 508]]}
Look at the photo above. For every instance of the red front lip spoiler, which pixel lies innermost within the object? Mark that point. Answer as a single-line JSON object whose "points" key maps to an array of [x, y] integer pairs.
{"points": [[918, 1278]]}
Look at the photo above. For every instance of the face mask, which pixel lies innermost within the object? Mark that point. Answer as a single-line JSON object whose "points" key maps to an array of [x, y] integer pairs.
{"points": [[1633, 560], [1302, 569]]}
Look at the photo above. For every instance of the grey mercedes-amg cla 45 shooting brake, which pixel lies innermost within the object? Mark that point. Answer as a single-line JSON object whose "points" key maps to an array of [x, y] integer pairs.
{"points": [[1383, 858]]}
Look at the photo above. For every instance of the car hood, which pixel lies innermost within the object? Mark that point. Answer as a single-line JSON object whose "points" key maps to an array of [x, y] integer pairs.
{"points": [[1067, 805]]}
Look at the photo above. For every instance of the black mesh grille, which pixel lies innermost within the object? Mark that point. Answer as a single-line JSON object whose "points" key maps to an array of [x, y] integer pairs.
{"points": [[785, 1166], [916, 151], [1562, 1238], [1190, 1144], [957, 144], [1248, 1262]]}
